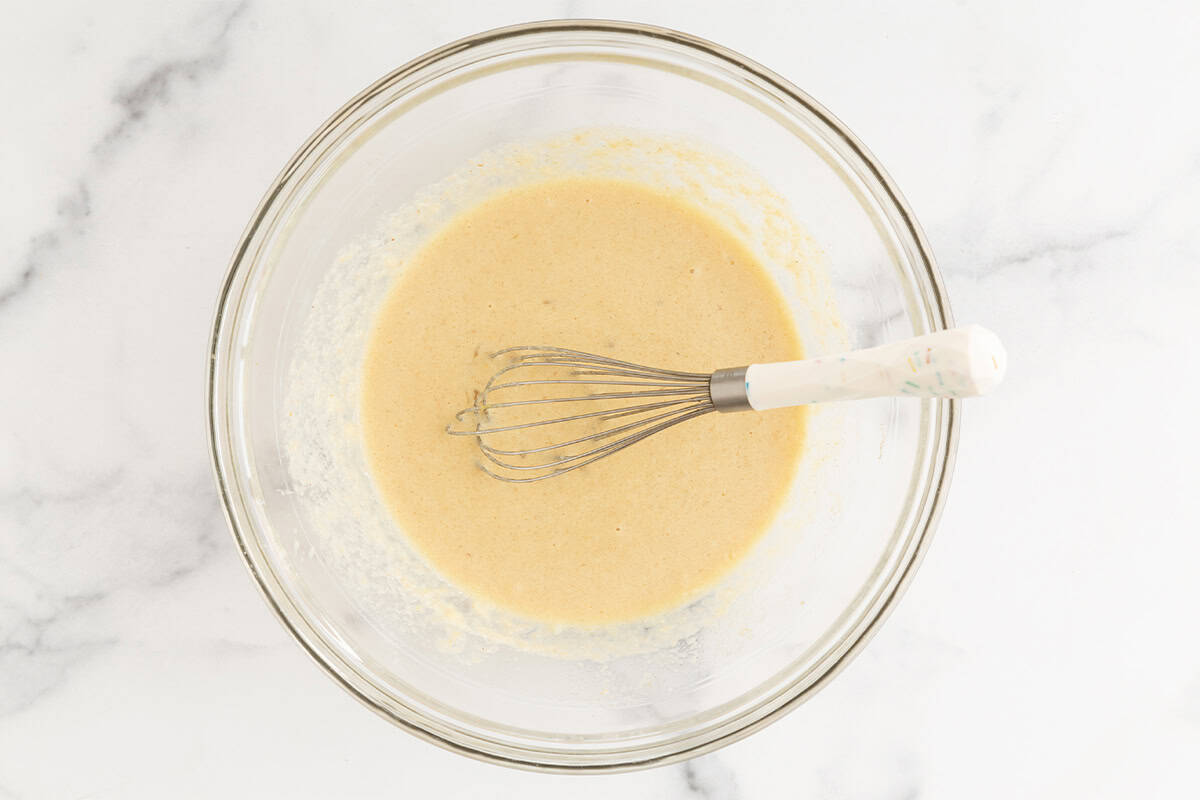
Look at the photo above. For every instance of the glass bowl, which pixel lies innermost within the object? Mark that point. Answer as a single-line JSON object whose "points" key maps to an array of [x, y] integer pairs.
{"points": [[849, 552]]}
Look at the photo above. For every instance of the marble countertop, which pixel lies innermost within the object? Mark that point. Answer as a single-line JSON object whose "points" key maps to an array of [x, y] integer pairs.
{"points": [[1048, 646]]}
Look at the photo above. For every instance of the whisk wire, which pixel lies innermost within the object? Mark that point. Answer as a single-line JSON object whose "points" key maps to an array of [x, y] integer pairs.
{"points": [[603, 414], [562, 352], [674, 397], [592, 437], [600, 396], [600, 452]]}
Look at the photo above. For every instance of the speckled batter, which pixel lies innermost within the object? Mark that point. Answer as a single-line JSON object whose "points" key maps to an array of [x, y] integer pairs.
{"points": [[605, 266]]}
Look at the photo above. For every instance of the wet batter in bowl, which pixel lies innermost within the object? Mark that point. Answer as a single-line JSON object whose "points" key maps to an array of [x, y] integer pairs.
{"points": [[604, 266]]}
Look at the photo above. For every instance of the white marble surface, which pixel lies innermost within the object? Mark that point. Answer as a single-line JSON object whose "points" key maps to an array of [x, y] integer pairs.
{"points": [[1048, 647]]}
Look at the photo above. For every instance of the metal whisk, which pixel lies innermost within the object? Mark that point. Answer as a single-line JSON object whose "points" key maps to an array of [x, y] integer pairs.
{"points": [[523, 438]]}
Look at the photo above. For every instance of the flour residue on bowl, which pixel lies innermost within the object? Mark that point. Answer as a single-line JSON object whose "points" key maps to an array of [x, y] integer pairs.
{"points": [[324, 430]]}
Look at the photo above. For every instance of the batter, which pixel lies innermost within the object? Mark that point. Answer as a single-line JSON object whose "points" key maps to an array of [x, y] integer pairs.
{"points": [[604, 266]]}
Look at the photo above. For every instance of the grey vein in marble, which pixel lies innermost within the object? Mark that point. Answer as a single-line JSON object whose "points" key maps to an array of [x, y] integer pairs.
{"points": [[33, 644], [709, 778], [1089, 242], [136, 101], [154, 88], [36, 643], [37, 663]]}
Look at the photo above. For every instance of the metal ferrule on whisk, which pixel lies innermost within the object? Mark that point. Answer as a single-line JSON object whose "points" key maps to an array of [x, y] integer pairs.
{"points": [[728, 390]]}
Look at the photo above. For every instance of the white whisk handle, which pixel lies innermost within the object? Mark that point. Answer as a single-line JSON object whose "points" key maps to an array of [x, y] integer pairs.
{"points": [[960, 362]]}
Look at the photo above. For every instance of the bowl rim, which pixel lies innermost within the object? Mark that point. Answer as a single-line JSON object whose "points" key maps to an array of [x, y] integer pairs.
{"points": [[943, 427]]}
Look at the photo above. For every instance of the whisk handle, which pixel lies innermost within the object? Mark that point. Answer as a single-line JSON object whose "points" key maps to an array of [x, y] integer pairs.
{"points": [[954, 363]]}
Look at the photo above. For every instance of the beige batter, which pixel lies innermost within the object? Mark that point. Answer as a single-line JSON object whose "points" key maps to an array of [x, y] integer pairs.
{"points": [[604, 266]]}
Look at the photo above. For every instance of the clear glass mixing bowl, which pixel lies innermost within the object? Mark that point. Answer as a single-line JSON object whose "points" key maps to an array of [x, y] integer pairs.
{"points": [[852, 555]]}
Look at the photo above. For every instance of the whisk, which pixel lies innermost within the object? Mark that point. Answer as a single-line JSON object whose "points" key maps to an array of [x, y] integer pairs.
{"points": [[608, 404]]}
